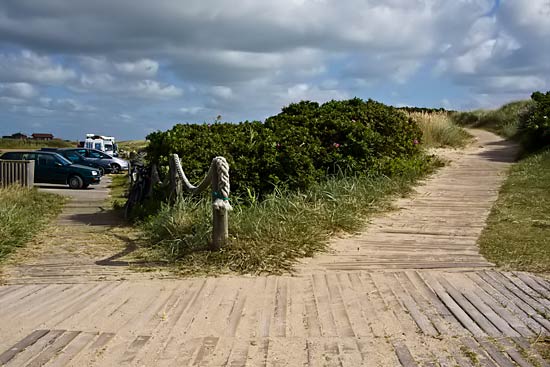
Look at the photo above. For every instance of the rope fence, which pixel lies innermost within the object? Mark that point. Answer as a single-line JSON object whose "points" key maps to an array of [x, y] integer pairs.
{"points": [[218, 179]]}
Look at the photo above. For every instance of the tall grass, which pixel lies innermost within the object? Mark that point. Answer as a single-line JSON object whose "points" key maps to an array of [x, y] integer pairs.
{"points": [[269, 236], [34, 144], [503, 121], [439, 130], [24, 212]]}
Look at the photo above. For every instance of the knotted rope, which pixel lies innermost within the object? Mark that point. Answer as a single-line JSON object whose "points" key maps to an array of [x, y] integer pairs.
{"points": [[219, 170]]}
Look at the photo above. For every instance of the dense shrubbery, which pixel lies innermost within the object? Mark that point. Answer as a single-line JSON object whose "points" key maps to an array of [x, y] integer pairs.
{"points": [[535, 124], [297, 147]]}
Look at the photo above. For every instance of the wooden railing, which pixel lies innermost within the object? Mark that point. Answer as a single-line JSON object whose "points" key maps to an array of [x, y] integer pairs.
{"points": [[16, 173]]}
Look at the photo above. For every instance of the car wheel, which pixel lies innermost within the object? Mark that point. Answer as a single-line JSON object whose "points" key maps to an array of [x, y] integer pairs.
{"points": [[75, 182], [101, 171], [115, 168]]}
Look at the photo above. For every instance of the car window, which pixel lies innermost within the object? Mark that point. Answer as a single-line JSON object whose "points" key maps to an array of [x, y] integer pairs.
{"points": [[12, 156], [29, 156], [94, 154], [72, 156], [82, 152], [46, 160], [60, 159], [97, 146]]}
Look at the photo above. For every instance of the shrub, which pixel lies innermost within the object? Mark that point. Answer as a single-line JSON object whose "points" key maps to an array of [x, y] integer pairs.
{"points": [[535, 123], [297, 147]]}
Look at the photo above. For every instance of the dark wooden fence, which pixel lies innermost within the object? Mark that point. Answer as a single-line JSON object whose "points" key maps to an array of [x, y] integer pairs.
{"points": [[16, 173]]}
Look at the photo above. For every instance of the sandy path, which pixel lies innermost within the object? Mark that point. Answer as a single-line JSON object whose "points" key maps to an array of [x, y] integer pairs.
{"points": [[375, 301]]}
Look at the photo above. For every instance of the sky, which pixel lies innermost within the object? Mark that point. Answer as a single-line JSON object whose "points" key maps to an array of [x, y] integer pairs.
{"points": [[129, 67]]}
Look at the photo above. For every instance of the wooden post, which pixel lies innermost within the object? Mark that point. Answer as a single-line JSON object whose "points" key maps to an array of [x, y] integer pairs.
{"points": [[220, 230]]}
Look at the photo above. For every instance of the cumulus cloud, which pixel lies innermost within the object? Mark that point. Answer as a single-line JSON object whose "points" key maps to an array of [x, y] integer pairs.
{"points": [[246, 61], [27, 66], [18, 90]]}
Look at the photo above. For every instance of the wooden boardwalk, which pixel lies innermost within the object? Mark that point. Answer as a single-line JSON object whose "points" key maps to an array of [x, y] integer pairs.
{"points": [[412, 290], [409, 318], [439, 225]]}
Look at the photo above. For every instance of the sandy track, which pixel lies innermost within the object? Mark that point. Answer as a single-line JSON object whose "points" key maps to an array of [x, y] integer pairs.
{"points": [[376, 300]]}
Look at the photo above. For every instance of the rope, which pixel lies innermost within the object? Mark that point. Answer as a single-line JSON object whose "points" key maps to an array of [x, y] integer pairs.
{"points": [[221, 167], [222, 199]]}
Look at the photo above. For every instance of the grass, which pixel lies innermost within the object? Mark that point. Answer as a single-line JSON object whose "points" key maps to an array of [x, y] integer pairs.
{"points": [[439, 130], [518, 228], [118, 187], [23, 213], [271, 235], [34, 144], [503, 121]]}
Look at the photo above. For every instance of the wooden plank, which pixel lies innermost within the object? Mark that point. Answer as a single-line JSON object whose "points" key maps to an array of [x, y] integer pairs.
{"points": [[52, 350], [543, 292], [505, 314], [339, 310], [481, 356], [506, 301], [72, 350], [403, 354], [527, 288], [132, 351], [22, 358], [21, 345], [453, 306], [479, 318], [427, 292], [326, 318], [530, 311], [517, 291], [496, 355], [491, 315], [418, 316], [512, 351]]}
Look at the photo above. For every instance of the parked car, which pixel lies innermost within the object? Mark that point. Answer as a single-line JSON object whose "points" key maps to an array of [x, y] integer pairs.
{"points": [[76, 158], [109, 164], [53, 168]]}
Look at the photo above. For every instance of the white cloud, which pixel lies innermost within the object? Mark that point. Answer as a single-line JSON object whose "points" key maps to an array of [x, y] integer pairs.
{"points": [[29, 67], [18, 90]]}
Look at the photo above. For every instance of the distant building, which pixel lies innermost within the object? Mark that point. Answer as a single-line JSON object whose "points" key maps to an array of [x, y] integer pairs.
{"points": [[36, 136], [18, 136]]}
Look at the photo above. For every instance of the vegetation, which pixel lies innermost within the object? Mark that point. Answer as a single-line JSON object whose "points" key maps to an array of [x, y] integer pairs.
{"points": [[535, 124], [298, 147], [518, 227], [439, 130], [504, 121], [268, 236], [34, 144], [23, 213]]}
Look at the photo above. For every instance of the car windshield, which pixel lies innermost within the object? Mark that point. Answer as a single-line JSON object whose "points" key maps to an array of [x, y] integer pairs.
{"points": [[64, 161]]}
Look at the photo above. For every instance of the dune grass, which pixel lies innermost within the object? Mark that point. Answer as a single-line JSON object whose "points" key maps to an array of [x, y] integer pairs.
{"points": [[439, 130], [269, 236], [23, 213], [34, 144], [518, 228], [503, 121]]}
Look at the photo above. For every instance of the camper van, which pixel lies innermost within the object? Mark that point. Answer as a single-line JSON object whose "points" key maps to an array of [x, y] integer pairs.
{"points": [[102, 143]]}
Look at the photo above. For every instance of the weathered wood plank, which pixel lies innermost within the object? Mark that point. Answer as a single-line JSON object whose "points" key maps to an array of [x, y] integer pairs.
{"points": [[21, 345]]}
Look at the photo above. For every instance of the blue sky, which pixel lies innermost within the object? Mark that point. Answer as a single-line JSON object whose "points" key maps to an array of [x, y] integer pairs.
{"points": [[130, 67]]}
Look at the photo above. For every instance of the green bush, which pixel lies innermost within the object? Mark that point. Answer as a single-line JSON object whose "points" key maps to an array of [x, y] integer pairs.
{"points": [[296, 148], [535, 123]]}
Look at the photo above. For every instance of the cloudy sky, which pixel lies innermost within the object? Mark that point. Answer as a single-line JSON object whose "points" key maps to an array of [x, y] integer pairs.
{"points": [[128, 67]]}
